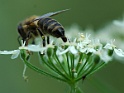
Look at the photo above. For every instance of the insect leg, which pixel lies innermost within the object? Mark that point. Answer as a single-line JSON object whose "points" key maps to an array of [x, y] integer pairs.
{"points": [[28, 37], [48, 40], [44, 41], [42, 36]]}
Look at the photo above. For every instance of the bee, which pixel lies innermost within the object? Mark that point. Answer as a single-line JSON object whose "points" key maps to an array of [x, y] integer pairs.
{"points": [[43, 26]]}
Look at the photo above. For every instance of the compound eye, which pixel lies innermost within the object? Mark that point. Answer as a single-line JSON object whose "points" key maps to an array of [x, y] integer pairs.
{"points": [[21, 32]]}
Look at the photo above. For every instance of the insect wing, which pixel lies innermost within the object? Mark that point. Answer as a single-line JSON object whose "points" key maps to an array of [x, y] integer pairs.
{"points": [[51, 14]]}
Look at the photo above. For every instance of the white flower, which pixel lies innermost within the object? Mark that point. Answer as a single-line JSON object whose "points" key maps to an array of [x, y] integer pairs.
{"points": [[9, 52], [111, 46], [87, 49], [88, 45], [119, 52], [33, 48], [14, 53], [84, 39], [81, 37], [103, 54], [69, 49], [36, 48]]}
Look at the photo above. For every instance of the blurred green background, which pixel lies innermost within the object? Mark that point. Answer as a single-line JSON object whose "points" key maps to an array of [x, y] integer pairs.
{"points": [[95, 13]]}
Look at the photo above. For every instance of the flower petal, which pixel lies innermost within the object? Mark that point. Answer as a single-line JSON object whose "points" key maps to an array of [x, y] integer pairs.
{"points": [[9, 52], [63, 52], [35, 48], [15, 54], [73, 50], [91, 50], [119, 52], [108, 46], [83, 50]]}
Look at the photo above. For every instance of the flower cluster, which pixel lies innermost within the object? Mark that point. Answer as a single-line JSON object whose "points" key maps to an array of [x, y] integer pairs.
{"points": [[111, 31], [71, 61]]}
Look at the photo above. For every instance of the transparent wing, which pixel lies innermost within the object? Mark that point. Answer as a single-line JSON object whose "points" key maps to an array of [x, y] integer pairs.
{"points": [[51, 14]]}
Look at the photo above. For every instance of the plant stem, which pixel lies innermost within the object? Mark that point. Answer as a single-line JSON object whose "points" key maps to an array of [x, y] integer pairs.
{"points": [[73, 88]]}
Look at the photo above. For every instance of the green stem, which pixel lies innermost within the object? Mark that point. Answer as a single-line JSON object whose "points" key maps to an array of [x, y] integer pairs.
{"points": [[53, 66], [72, 65], [58, 61], [79, 61], [60, 73], [31, 66], [68, 64], [72, 88], [84, 65], [86, 68], [88, 71], [49, 65]]}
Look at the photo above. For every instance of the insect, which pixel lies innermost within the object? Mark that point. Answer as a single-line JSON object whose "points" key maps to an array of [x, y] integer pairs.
{"points": [[43, 26]]}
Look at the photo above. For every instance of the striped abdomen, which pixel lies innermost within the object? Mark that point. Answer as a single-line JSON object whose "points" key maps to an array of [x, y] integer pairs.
{"points": [[51, 27]]}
